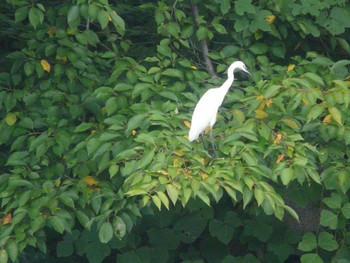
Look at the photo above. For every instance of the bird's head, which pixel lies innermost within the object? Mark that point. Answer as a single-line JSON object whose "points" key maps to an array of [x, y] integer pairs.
{"points": [[238, 65]]}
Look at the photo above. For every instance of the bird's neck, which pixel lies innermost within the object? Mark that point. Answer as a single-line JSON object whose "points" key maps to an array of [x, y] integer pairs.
{"points": [[227, 84]]}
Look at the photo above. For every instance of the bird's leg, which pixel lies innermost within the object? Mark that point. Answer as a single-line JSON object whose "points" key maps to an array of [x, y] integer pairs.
{"points": [[212, 141]]}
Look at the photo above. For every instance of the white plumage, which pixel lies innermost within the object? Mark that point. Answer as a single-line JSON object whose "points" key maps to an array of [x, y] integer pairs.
{"points": [[204, 114]]}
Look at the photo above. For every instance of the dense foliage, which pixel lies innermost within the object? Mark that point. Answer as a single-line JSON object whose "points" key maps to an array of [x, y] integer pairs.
{"points": [[95, 103]]}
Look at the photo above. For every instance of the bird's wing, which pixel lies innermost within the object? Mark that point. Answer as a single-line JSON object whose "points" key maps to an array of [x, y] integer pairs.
{"points": [[204, 112]]}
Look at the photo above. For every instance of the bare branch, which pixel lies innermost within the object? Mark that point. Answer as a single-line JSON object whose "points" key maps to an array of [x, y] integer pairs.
{"points": [[204, 43]]}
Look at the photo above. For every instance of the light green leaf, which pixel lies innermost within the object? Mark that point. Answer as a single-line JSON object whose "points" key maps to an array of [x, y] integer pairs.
{"points": [[346, 210], [119, 227], [259, 196], [105, 233], [327, 241], [172, 193], [329, 219], [336, 114], [286, 175], [73, 14], [308, 243], [57, 223], [311, 258], [164, 199], [102, 18], [12, 250]]}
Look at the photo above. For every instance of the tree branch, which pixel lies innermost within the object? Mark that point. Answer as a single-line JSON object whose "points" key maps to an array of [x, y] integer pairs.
{"points": [[204, 43]]}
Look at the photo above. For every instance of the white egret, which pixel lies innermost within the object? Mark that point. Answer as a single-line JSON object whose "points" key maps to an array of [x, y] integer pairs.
{"points": [[204, 114]]}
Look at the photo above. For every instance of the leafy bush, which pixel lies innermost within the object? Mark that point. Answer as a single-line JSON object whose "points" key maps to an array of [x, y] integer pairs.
{"points": [[96, 100]]}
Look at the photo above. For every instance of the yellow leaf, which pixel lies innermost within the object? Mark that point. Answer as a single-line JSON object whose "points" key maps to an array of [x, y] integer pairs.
{"points": [[204, 176], [6, 219], [260, 97], [46, 66], [268, 102], [194, 67], [327, 119], [163, 172], [133, 132], [10, 119], [292, 124], [278, 138], [305, 101], [280, 157], [59, 58], [290, 67], [70, 31], [260, 114], [109, 18], [177, 162], [187, 124], [297, 46], [207, 130], [89, 180], [336, 114], [52, 30], [262, 106], [179, 152], [270, 19]]}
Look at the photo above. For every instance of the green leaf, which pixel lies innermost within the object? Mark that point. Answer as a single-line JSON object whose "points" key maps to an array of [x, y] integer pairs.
{"points": [[118, 22], [225, 6], [329, 219], [136, 121], [219, 28], [310, 258], [111, 105], [64, 249], [3, 256], [12, 250], [172, 193], [102, 18], [145, 160], [259, 49], [119, 227], [73, 14], [35, 16], [156, 200], [203, 197], [247, 196], [82, 218], [113, 169], [83, 127], [66, 200], [286, 175], [221, 230], [173, 73], [164, 199], [21, 13], [105, 233], [314, 112], [346, 210], [17, 158], [259, 196], [333, 202], [57, 223], [230, 50], [327, 241], [202, 33], [244, 6], [308, 243]]}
